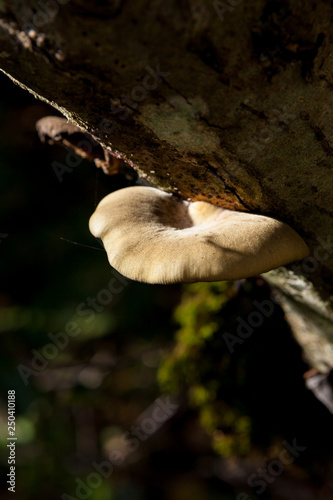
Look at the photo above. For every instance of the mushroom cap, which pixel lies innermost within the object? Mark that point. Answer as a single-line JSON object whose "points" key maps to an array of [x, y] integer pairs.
{"points": [[154, 237]]}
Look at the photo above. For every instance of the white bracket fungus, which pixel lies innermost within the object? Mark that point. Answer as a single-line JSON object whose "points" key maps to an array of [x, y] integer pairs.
{"points": [[154, 237]]}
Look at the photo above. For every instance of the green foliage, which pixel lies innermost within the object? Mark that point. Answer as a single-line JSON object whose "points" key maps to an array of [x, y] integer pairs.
{"points": [[197, 315], [189, 366]]}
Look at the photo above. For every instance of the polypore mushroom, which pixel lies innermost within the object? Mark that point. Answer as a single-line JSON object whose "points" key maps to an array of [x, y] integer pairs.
{"points": [[154, 237]]}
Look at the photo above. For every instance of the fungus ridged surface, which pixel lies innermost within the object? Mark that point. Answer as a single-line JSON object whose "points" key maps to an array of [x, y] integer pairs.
{"points": [[154, 237]]}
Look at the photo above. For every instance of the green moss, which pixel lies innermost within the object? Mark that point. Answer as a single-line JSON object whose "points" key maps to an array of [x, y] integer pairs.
{"points": [[189, 367]]}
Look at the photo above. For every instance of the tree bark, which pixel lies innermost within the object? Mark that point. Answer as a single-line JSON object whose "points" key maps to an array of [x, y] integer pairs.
{"points": [[228, 102]]}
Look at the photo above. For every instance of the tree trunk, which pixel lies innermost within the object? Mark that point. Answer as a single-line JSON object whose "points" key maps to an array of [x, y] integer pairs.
{"points": [[228, 102]]}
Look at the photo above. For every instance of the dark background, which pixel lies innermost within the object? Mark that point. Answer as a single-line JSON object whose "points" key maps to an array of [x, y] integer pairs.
{"points": [[235, 409]]}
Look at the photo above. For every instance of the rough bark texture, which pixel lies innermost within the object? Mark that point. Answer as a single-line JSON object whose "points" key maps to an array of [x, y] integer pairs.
{"points": [[238, 115]]}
